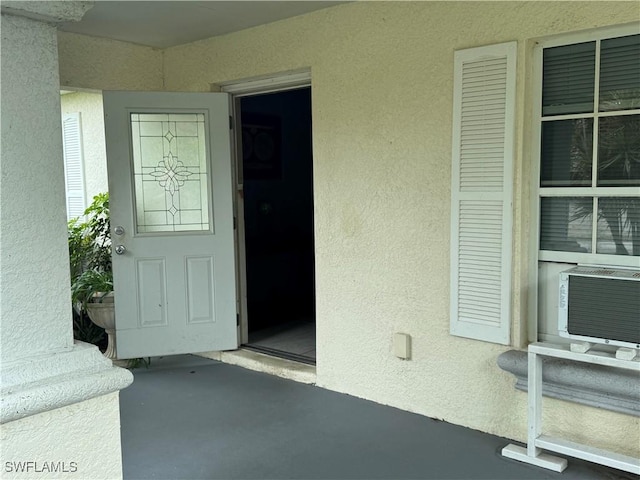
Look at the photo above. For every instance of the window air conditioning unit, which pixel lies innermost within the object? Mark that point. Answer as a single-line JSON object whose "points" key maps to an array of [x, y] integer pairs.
{"points": [[600, 305]]}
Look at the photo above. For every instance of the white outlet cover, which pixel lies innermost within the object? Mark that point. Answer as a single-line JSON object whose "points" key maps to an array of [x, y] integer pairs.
{"points": [[402, 345]]}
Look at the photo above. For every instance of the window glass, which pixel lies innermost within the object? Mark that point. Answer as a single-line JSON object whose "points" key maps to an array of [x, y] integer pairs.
{"points": [[601, 139], [618, 226], [568, 79], [619, 151], [567, 151], [620, 73], [171, 168], [566, 224]]}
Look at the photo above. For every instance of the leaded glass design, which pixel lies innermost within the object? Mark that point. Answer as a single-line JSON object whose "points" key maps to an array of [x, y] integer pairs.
{"points": [[170, 172]]}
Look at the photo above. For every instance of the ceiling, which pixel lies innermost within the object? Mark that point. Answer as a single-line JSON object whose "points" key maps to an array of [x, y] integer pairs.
{"points": [[163, 24]]}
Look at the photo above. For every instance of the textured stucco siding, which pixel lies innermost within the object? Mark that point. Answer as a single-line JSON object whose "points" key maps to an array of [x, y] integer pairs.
{"points": [[83, 439], [102, 64], [89, 105], [41, 368], [35, 300], [382, 76], [382, 103]]}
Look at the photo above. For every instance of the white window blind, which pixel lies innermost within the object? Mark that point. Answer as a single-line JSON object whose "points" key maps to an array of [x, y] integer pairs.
{"points": [[73, 164], [482, 191], [590, 151]]}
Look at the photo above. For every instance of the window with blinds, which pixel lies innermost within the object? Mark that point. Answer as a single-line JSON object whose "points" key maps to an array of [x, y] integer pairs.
{"points": [[481, 192], [589, 185]]}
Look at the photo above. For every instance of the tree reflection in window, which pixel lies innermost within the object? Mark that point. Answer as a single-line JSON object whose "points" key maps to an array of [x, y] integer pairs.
{"points": [[618, 165]]}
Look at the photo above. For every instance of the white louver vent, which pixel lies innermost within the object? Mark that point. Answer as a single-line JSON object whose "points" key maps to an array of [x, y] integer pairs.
{"points": [[481, 189], [73, 165], [480, 261], [482, 125]]}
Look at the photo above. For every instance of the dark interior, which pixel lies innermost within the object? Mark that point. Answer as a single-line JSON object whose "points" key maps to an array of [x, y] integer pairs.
{"points": [[278, 214]]}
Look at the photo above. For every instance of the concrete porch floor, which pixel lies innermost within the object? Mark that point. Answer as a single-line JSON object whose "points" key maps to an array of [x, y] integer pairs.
{"points": [[188, 417]]}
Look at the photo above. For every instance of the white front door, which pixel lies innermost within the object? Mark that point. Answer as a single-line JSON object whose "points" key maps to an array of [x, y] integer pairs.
{"points": [[170, 186]]}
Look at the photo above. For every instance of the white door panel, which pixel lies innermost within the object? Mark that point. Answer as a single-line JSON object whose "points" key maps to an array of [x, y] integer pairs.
{"points": [[170, 185]]}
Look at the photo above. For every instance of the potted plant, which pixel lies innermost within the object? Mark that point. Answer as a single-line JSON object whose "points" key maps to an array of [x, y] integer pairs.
{"points": [[93, 292], [91, 272]]}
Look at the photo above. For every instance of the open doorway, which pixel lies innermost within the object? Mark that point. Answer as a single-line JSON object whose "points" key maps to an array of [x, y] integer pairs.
{"points": [[277, 172]]}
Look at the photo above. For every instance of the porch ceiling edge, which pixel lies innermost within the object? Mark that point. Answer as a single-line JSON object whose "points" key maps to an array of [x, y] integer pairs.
{"points": [[48, 12], [39, 384], [597, 386]]}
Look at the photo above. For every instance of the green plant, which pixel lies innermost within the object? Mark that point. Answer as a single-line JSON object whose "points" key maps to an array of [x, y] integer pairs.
{"points": [[87, 331], [91, 271], [91, 286], [79, 247], [90, 265], [138, 363], [97, 231]]}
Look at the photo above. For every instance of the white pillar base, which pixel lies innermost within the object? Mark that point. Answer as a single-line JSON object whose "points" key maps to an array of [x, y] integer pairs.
{"points": [[34, 385], [79, 441], [60, 415]]}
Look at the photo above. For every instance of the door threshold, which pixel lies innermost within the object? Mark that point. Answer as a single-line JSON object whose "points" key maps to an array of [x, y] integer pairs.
{"points": [[274, 352], [261, 362]]}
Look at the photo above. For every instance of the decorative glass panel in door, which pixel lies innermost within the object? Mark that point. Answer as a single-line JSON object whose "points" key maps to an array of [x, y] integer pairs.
{"points": [[171, 174]]}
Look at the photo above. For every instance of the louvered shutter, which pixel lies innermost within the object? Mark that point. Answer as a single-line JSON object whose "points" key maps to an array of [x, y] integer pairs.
{"points": [[73, 164], [482, 191]]}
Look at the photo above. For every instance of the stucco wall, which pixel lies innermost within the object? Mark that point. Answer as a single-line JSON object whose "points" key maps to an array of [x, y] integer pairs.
{"points": [[32, 226], [101, 64], [93, 147], [80, 441], [382, 100], [41, 367]]}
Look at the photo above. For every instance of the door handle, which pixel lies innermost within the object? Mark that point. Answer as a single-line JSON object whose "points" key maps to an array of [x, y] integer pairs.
{"points": [[120, 249]]}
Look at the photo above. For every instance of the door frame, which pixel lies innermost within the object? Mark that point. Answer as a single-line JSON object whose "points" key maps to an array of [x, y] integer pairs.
{"points": [[278, 82]]}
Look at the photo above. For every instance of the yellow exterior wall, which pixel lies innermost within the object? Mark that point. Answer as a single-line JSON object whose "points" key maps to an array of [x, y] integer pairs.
{"points": [[382, 112], [101, 64], [94, 154]]}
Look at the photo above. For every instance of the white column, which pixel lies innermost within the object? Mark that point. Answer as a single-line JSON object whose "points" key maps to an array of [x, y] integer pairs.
{"points": [[52, 389], [35, 307]]}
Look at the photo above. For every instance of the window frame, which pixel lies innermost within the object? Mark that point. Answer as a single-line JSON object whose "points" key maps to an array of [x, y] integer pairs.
{"points": [[535, 258], [591, 192]]}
